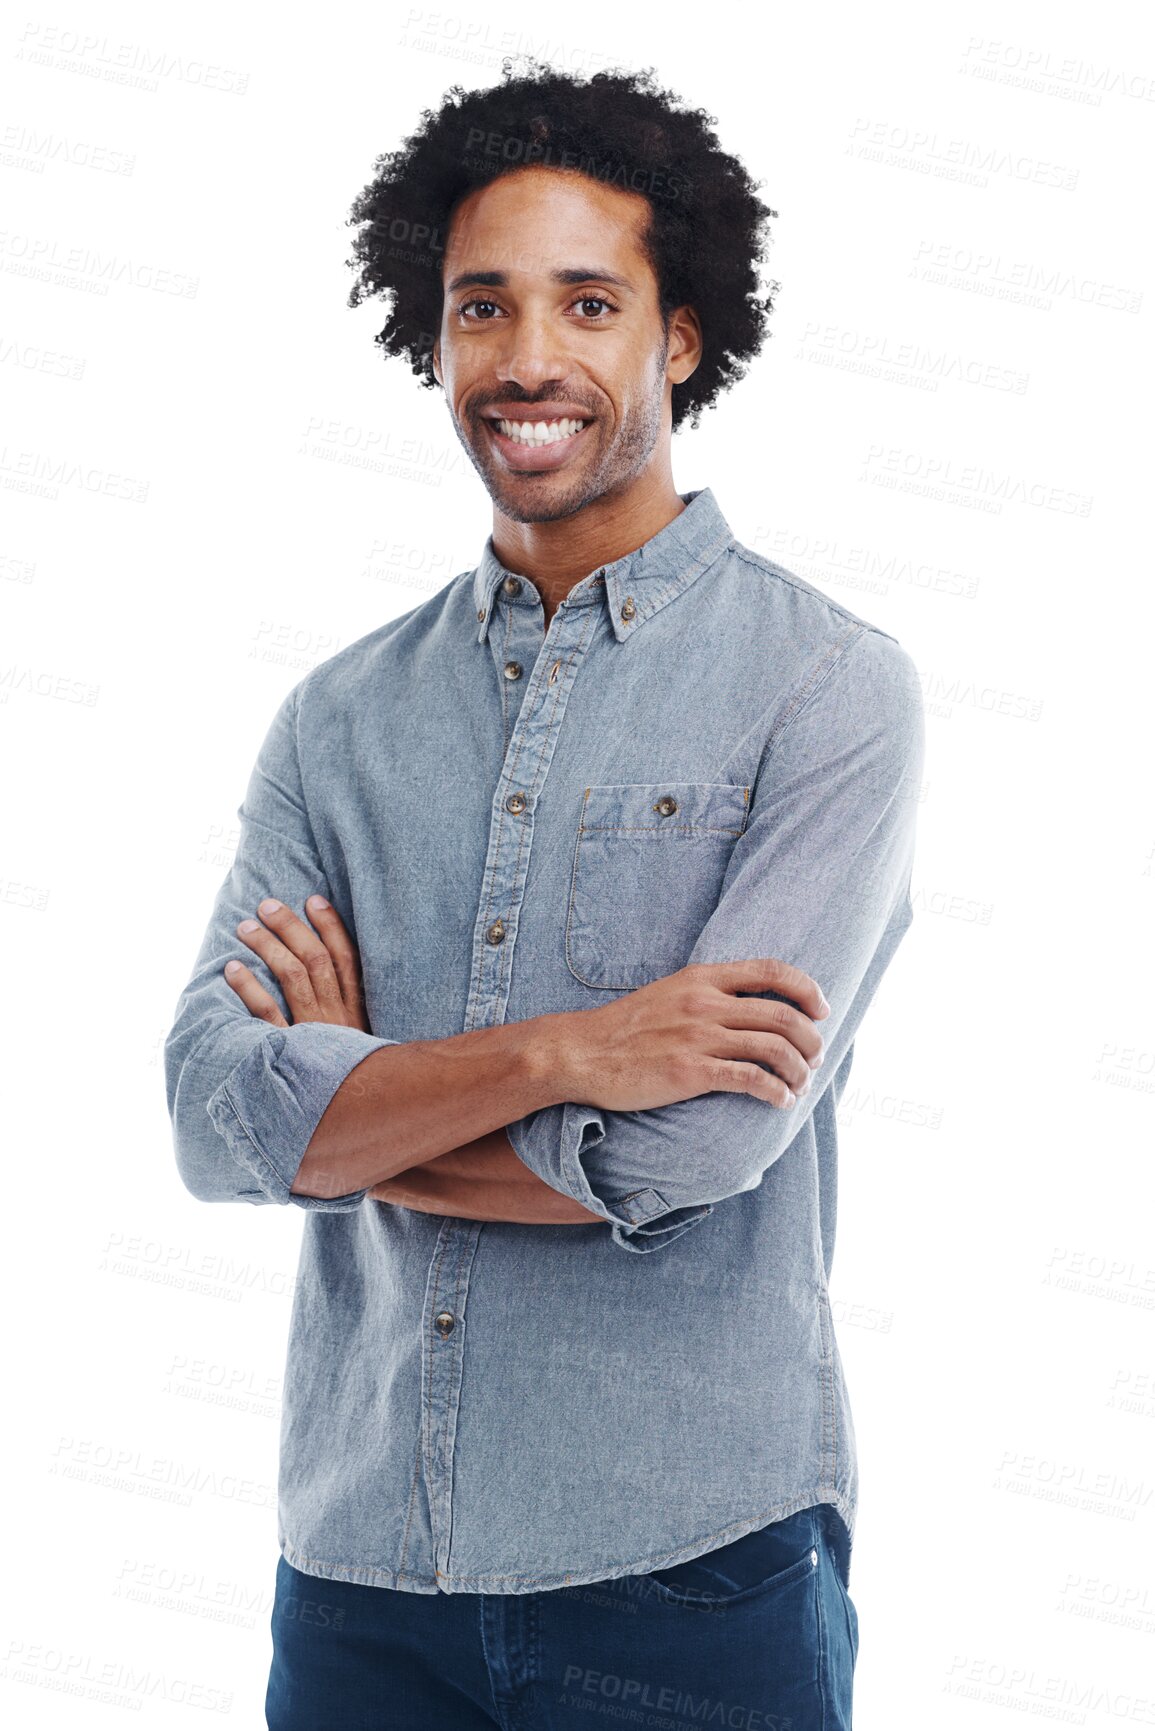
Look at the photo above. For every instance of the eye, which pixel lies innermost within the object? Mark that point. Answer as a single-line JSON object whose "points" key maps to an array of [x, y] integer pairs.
{"points": [[487, 310], [595, 301], [477, 303]]}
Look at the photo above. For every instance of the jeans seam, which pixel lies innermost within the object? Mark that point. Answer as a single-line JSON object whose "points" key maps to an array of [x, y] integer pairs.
{"points": [[823, 1701], [498, 1709]]}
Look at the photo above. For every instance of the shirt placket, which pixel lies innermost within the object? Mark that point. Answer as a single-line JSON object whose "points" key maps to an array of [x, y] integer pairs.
{"points": [[551, 663]]}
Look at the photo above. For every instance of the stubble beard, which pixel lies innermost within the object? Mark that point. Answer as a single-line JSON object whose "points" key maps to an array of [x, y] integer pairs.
{"points": [[546, 497]]}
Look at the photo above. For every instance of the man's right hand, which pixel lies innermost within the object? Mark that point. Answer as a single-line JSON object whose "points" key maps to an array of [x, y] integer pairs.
{"points": [[690, 1033]]}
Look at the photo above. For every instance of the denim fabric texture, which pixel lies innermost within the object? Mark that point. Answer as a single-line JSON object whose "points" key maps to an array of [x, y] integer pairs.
{"points": [[704, 758], [767, 1640]]}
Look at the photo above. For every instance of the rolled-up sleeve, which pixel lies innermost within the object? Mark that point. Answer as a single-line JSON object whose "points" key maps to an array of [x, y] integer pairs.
{"points": [[560, 1144], [819, 878], [244, 1097]]}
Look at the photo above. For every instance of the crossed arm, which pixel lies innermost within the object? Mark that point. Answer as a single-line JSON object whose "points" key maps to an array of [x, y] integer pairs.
{"points": [[821, 875], [483, 1180], [319, 974]]}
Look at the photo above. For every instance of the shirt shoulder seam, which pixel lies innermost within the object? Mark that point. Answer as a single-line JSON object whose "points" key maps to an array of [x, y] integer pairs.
{"points": [[769, 568], [836, 652]]}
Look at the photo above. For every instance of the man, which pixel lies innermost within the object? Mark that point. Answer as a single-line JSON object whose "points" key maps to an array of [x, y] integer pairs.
{"points": [[542, 884]]}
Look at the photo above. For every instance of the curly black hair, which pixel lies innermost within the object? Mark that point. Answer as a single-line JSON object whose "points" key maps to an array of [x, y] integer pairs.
{"points": [[707, 234]]}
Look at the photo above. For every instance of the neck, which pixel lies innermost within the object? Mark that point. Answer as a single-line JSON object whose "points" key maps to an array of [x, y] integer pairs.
{"points": [[559, 554]]}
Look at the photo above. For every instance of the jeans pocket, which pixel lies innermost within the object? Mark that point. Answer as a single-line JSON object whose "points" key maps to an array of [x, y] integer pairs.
{"points": [[766, 1561]]}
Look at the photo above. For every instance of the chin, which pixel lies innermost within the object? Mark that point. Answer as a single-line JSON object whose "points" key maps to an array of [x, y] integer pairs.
{"points": [[520, 510]]}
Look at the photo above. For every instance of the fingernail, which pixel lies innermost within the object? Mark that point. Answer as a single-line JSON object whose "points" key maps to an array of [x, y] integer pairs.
{"points": [[814, 1062], [268, 906], [318, 902], [249, 926], [232, 967]]}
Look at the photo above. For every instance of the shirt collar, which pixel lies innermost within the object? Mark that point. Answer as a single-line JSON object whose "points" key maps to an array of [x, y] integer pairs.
{"points": [[632, 588]]}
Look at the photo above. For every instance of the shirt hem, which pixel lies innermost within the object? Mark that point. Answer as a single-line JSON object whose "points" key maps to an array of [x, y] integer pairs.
{"points": [[409, 1581]]}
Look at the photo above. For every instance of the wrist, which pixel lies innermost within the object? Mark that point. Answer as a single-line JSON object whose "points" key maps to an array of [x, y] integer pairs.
{"points": [[553, 1055]]}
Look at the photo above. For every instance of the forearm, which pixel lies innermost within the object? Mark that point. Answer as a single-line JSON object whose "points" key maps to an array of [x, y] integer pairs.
{"points": [[410, 1103], [484, 1180]]}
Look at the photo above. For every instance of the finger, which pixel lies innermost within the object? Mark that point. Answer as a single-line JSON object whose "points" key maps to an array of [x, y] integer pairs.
{"points": [[738, 1076], [253, 995], [295, 954], [767, 973], [341, 948], [751, 1046], [767, 1015]]}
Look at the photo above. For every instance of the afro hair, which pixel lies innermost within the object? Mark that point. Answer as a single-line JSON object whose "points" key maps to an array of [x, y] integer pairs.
{"points": [[707, 234]]}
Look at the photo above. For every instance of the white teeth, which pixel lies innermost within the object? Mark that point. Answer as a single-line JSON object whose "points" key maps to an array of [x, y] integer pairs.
{"points": [[540, 432]]}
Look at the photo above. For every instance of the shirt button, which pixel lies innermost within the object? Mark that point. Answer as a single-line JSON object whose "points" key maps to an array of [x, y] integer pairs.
{"points": [[512, 585], [667, 805], [481, 612], [513, 670], [814, 1559], [443, 1322], [495, 933], [515, 803], [628, 608]]}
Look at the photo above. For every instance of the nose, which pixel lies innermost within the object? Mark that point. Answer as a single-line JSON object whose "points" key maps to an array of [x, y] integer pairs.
{"points": [[533, 353]]}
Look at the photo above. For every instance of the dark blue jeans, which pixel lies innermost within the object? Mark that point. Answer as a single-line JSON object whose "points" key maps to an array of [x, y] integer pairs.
{"points": [[759, 1635]]}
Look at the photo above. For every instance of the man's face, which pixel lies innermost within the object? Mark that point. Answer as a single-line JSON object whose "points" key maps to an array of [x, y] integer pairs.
{"points": [[551, 317]]}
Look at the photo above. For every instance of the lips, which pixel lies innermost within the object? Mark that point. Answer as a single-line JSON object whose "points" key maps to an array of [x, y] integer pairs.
{"points": [[533, 459]]}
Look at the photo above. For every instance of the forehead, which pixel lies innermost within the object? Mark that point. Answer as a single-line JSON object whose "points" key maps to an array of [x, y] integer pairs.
{"points": [[532, 219]]}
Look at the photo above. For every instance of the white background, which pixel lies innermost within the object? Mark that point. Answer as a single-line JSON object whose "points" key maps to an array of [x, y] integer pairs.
{"points": [[949, 432]]}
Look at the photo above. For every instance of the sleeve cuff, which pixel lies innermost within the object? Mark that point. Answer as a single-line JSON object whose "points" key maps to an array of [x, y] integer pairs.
{"points": [[552, 1142], [270, 1103]]}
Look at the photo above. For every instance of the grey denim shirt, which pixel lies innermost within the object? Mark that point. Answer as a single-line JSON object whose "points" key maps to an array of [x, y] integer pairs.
{"points": [[704, 758]]}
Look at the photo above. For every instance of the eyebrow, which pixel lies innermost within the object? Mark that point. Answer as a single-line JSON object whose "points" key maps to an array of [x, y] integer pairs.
{"points": [[499, 278]]}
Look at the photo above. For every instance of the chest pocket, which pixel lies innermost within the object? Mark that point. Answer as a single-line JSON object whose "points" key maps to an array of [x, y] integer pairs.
{"points": [[648, 868]]}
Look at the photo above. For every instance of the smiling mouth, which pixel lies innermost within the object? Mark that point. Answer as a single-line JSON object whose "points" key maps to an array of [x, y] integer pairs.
{"points": [[536, 447], [539, 433]]}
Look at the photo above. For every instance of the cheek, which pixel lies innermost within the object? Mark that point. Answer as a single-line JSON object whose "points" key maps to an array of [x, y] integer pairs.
{"points": [[637, 387]]}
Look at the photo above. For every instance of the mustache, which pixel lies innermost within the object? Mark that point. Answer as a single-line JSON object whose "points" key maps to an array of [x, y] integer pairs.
{"points": [[525, 402]]}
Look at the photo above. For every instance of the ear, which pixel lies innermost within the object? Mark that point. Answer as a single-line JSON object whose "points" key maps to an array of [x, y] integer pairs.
{"points": [[437, 362], [685, 345]]}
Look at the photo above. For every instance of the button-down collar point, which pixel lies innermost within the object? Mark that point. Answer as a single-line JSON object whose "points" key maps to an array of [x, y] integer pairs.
{"points": [[653, 574]]}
